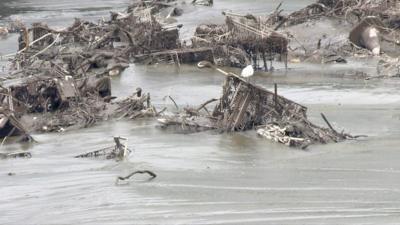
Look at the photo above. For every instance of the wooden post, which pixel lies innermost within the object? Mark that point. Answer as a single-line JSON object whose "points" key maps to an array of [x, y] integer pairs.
{"points": [[276, 95], [329, 124]]}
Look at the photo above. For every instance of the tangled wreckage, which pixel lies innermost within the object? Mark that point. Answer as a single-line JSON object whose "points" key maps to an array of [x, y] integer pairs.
{"points": [[245, 106], [60, 79]]}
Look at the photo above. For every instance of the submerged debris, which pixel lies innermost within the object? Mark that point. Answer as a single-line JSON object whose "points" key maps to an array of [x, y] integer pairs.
{"points": [[350, 10], [119, 151], [245, 106], [243, 39], [3, 32], [61, 78], [19, 154], [389, 67], [11, 126], [150, 173], [203, 2], [373, 28]]}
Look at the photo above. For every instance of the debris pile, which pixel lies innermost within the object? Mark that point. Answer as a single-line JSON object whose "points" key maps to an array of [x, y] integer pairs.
{"points": [[245, 106], [243, 39], [13, 155], [119, 151], [136, 106], [389, 67], [350, 10], [10, 126], [61, 78], [372, 26]]}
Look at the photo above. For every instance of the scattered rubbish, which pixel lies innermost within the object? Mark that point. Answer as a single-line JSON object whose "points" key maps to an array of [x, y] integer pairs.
{"points": [[350, 10], [241, 40], [388, 67], [11, 126], [62, 77], [203, 2], [3, 32], [282, 135], [120, 151], [245, 106], [10, 155]]}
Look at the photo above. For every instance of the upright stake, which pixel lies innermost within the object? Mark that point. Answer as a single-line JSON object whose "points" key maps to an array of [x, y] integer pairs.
{"points": [[276, 95]]}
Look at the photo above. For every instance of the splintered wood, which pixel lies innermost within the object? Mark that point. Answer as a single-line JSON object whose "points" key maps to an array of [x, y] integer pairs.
{"points": [[245, 106], [241, 40], [119, 152]]}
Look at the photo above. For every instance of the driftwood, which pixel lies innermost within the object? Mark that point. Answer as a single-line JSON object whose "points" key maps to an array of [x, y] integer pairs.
{"points": [[150, 173]]}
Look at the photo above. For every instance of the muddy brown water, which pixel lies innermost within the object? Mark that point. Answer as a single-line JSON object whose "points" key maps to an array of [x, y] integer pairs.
{"points": [[208, 178]]}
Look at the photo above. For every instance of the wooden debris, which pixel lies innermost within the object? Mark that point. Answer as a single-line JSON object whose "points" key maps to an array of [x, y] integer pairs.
{"points": [[11, 126], [150, 173], [274, 133], [120, 151], [245, 106], [3, 32], [19, 154], [350, 10], [203, 2], [176, 56], [389, 67], [63, 76], [243, 38]]}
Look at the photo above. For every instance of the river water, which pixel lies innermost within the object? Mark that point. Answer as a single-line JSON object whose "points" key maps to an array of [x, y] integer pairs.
{"points": [[208, 178]]}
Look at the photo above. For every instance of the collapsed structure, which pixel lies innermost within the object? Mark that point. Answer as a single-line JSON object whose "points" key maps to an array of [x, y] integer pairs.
{"points": [[61, 78], [245, 106], [375, 30], [241, 41]]}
